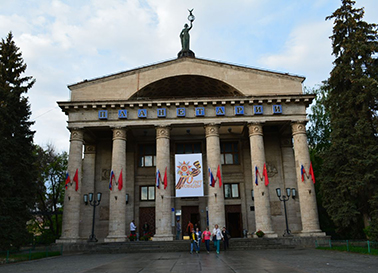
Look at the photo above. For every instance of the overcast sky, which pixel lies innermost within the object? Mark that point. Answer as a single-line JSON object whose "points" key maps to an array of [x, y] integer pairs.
{"points": [[66, 41]]}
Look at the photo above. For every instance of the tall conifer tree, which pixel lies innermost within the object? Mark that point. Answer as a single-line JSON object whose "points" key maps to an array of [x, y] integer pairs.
{"points": [[350, 169], [17, 174]]}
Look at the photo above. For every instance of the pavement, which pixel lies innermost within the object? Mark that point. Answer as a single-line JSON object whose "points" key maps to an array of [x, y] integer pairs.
{"points": [[257, 261]]}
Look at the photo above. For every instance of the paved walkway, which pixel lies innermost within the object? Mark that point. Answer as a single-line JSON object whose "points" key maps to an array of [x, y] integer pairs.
{"points": [[257, 261]]}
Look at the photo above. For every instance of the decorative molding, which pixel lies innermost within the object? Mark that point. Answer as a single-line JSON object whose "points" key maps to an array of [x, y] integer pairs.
{"points": [[119, 133], [90, 149], [105, 174], [76, 134], [163, 132], [271, 168], [298, 127], [286, 141], [212, 129], [255, 129]]}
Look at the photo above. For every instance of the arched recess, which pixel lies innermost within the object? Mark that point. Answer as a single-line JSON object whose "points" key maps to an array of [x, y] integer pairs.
{"points": [[186, 86]]}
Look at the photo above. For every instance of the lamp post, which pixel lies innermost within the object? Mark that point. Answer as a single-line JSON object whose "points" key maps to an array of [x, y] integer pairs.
{"points": [[88, 199], [284, 199]]}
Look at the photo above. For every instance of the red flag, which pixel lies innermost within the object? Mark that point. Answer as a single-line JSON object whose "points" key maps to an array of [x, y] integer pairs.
{"points": [[219, 176], [120, 181], [76, 179], [67, 180], [265, 174], [311, 172], [165, 179]]}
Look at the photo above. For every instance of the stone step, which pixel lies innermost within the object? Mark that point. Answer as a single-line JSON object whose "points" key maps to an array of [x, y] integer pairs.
{"points": [[173, 246]]}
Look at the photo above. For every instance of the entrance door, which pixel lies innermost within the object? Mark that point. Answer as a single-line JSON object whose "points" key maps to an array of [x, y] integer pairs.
{"points": [[189, 213], [147, 215], [234, 221]]}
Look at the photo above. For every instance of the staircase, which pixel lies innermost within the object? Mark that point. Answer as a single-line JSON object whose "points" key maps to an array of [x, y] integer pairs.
{"points": [[182, 246]]}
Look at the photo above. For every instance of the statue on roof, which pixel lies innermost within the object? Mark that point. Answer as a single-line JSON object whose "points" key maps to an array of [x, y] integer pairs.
{"points": [[185, 38]]}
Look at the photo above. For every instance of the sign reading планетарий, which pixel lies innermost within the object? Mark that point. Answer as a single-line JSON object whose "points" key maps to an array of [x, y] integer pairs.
{"points": [[181, 112]]}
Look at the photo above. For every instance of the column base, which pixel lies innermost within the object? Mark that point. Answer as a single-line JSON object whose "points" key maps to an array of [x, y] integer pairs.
{"points": [[163, 237], [270, 234], [311, 233], [68, 240], [115, 239]]}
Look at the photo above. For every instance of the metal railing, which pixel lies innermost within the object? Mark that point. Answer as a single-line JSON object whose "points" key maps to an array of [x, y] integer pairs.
{"points": [[366, 247]]}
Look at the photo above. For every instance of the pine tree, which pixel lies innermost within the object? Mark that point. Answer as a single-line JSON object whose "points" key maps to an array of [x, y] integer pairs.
{"points": [[17, 171], [350, 169]]}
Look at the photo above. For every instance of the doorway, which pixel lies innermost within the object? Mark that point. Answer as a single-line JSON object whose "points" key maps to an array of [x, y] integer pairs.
{"points": [[189, 213], [234, 221], [147, 215]]}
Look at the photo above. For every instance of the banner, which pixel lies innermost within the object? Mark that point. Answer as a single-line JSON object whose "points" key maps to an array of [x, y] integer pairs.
{"points": [[189, 176]]}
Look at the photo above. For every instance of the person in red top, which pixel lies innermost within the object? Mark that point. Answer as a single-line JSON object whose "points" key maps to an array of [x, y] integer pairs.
{"points": [[206, 235], [189, 228]]}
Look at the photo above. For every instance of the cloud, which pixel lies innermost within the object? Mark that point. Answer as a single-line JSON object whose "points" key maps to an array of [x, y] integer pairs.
{"points": [[307, 52], [64, 42]]}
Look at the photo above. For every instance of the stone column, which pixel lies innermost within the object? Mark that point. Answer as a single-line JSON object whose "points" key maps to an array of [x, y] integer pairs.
{"points": [[306, 189], [163, 200], [117, 197], [215, 200], [73, 197], [88, 185], [262, 200]]}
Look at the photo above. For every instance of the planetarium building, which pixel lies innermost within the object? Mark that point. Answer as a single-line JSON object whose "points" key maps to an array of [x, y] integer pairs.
{"points": [[191, 140]]}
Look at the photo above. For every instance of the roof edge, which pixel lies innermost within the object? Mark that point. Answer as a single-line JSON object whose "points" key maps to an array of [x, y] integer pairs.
{"points": [[177, 60]]}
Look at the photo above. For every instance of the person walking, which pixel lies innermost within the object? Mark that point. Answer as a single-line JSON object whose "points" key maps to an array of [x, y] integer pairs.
{"points": [[226, 236], [217, 235], [133, 228], [198, 236], [193, 241], [206, 235], [189, 228], [178, 230]]}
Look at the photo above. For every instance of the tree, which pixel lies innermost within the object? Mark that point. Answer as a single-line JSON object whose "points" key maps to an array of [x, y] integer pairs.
{"points": [[51, 176], [318, 134], [17, 172], [350, 168]]}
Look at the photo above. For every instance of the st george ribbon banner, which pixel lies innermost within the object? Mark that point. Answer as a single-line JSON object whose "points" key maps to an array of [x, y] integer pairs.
{"points": [[189, 176]]}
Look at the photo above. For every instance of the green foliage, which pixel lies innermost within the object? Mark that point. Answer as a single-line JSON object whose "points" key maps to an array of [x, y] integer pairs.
{"points": [[319, 131], [350, 167], [17, 172], [318, 135], [51, 168]]}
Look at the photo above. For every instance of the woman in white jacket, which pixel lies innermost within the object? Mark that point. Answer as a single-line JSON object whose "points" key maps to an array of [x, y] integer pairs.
{"points": [[217, 237]]}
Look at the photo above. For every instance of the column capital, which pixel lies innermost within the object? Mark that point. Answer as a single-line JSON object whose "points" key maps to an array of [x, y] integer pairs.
{"points": [[286, 141], [163, 131], [77, 134], [298, 127], [212, 129], [255, 129], [119, 133], [90, 149]]}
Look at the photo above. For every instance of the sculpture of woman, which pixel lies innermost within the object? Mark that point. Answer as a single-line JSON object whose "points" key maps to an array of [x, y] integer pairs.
{"points": [[184, 35]]}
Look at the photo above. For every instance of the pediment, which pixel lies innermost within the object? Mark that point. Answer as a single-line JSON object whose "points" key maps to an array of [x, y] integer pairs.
{"points": [[185, 78]]}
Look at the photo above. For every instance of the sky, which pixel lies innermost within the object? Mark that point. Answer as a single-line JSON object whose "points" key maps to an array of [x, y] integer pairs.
{"points": [[66, 41]]}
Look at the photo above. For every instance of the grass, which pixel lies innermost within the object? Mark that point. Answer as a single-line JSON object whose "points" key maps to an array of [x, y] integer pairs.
{"points": [[24, 256], [354, 249]]}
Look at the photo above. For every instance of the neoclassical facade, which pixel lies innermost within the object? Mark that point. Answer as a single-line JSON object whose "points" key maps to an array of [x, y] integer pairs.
{"points": [[248, 125]]}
